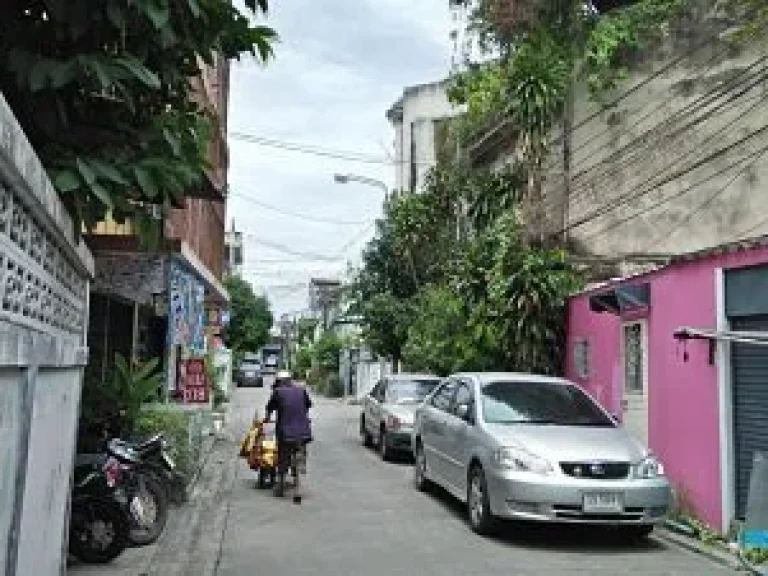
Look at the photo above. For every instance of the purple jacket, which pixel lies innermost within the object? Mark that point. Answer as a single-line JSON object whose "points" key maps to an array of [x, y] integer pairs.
{"points": [[292, 405]]}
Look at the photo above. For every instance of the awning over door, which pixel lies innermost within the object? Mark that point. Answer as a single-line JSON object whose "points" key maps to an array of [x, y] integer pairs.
{"points": [[622, 299]]}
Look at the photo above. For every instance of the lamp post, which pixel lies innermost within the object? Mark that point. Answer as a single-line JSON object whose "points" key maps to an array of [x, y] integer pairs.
{"points": [[347, 178]]}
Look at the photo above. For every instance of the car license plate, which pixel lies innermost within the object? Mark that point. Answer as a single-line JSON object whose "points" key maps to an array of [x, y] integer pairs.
{"points": [[603, 502], [250, 374]]}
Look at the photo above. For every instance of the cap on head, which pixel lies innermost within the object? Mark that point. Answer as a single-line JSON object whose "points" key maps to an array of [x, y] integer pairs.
{"points": [[283, 375]]}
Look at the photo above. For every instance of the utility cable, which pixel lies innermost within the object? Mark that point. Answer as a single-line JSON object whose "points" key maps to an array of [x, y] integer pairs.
{"points": [[707, 202], [320, 151], [297, 215], [699, 104], [750, 159], [639, 154], [653, 104], [671, 178], [726, 128], [635, 87]]}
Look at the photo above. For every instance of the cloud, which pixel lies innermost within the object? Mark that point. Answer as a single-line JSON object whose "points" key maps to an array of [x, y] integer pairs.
{"points": [[339, 66]]}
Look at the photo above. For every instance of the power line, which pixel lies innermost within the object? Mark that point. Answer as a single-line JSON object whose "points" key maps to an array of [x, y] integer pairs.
{"points": [[655, 104], [297, 215], [647, 142], [288, 250], [314, 150], [650, 78], [699, 104], [629, 197], [751, 158], [689, 216]]}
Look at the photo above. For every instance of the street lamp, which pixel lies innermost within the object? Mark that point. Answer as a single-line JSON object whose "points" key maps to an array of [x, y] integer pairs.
{"points": [[347, 178]]}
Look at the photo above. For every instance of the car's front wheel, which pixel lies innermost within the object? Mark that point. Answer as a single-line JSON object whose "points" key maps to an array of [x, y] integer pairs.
{"points": [[478, 504], [420, 479]]}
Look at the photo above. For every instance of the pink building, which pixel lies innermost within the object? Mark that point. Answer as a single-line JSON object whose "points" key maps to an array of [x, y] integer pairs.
{"points": [[670, 353]]}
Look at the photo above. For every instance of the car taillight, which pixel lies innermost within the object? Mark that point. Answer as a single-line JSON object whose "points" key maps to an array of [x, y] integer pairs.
{"points": [[393, 422], [112, 472]]}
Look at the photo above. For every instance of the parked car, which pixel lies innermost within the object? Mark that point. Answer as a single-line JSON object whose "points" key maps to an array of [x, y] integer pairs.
{"points": [[387, 412], [249, 372], [536, 448]]}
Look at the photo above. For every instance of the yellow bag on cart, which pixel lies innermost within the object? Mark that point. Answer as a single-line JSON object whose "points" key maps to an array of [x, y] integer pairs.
{"points": [[246, 447]]}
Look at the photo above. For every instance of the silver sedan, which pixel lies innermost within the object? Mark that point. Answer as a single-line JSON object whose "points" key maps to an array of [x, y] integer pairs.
{"points": [[387, 414], [535, 448]]}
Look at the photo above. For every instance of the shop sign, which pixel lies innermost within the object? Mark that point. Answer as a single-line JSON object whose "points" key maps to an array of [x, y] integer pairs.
{"points": [[194, 381]]}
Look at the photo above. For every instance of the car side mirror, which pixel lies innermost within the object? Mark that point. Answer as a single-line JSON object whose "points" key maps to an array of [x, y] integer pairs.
{"points": [[464, 411]]}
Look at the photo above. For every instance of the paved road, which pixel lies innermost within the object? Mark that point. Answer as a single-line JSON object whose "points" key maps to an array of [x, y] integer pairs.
{"points": [[362, 517]]}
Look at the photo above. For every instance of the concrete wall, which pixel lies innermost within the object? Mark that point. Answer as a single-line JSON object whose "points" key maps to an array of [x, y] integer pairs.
{"points": [[44, 282], [685, 415], [673, 119], [413, 118]]}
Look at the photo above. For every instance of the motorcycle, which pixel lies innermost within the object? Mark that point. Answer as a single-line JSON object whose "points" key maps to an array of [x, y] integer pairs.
{"points": [[99, 523], [148, 476]]}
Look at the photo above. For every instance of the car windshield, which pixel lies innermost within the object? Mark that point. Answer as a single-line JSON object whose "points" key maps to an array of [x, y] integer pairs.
{"points": [[540, 403], [409, 391]]}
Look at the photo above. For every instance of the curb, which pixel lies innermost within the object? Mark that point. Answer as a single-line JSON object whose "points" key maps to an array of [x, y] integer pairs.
{"points": [[721, 557], [205, 452]]}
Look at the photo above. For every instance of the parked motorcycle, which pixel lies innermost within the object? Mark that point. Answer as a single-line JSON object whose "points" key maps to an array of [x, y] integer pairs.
{"points": [[99, 523], [147, 473]]}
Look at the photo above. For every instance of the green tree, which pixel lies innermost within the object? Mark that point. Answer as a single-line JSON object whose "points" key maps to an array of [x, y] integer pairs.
{"points": [[438, 339], [250, 317], [102, 89]]}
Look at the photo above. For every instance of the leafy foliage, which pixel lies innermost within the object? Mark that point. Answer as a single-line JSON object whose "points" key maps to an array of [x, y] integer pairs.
{"points": [[250, 317], [538, 56], [115, 405], [481, 301], [102, 89], [327, 350]]}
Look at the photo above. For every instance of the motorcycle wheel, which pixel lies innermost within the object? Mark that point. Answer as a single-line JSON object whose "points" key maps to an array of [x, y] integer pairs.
{"points": [[98, 531], [155, 501]]}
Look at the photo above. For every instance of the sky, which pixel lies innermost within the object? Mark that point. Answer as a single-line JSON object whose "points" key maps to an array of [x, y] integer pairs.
{"points": [[339, 65]]}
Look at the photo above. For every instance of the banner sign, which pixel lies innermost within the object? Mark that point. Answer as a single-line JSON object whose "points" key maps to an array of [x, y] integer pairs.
{"points": [[186, 311], [194, 381]]}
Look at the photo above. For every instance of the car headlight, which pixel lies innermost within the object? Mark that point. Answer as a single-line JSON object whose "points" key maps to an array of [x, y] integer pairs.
{"points": [[649, 467], [522, 461]]}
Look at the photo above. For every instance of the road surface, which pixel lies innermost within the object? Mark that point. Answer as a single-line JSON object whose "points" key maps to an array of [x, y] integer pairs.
{"points": [[362, 517]]}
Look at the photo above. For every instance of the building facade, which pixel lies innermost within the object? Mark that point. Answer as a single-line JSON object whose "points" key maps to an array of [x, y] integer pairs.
{"points": [[680, 355], [168, 302], [418, 118], [671, 162]]}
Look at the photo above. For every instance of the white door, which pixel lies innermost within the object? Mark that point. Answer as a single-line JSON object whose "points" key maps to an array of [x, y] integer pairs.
{"points": [[634, 358]]}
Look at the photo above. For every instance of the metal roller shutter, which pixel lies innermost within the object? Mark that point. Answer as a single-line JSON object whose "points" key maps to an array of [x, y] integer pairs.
{"points": [[750, 404]]}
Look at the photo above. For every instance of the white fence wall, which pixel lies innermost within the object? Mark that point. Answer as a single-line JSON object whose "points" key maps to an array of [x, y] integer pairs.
{"points": [[44, 280]]}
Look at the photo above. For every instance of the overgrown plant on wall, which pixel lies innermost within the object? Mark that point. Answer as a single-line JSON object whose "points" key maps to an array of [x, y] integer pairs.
{"points": [[536, 52], [102, 89]]}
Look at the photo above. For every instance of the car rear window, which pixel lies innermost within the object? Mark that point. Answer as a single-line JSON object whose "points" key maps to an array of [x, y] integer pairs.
{"points": [[534, 402], [408, 391]]}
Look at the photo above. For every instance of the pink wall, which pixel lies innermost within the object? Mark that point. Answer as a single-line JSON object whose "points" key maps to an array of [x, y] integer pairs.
{"points": [[683, 396]]}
